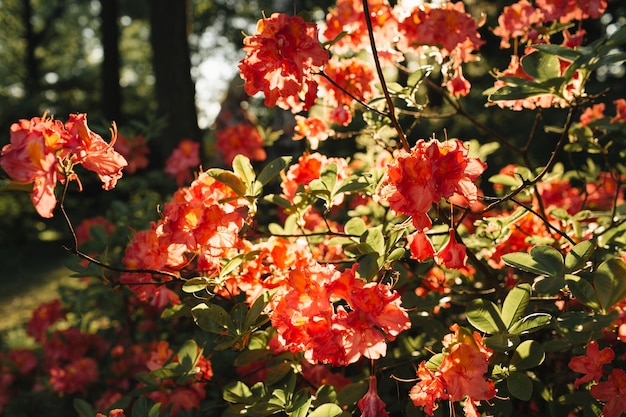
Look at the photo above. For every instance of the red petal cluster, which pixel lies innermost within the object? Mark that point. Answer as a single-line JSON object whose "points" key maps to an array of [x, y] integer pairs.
{"points": [[281, 61]]}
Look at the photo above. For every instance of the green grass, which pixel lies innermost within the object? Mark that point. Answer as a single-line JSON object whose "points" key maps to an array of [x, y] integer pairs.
{"points": [[30, 274]]}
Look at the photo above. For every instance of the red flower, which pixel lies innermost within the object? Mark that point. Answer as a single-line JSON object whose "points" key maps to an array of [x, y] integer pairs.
{"points": [[431, 171], [241, 139], [281, 61], [613, 393], [185, 157], [591, 363], [452, 255], [371, 405], [420, 246]]}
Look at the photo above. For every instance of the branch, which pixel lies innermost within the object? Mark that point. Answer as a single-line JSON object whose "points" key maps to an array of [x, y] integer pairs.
{"points": [[383, 84]]}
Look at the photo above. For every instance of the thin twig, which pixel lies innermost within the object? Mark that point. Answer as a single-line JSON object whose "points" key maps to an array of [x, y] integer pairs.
{"points": [[381, 77]]}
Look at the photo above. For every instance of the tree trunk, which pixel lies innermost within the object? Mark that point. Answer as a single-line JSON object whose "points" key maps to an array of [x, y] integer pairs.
{"points": [[111, 91], [175, 90]]}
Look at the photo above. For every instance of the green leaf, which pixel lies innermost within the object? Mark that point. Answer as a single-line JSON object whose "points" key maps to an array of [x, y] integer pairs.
{"points": [[567, 54], [578, 256], [515, 304], [609, 282], [549, 285], [300, 404], [326, 410], [230, 179], [530, 323], [528, 354], [375, 239], [502, 342], [257, 308], [368, 266], [197, 284], [355, 226], [329, 177], [244, 170], [272, 169], [238, 393], [583, 291], [520, 386], [485, 316], [188, 354], [83, 408], [541, 66], [542, 260], [211, 317], [238, 315]]}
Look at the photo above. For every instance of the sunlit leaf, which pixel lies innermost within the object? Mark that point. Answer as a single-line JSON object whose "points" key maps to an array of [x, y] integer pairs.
{"points": [[326, 410], [528, 354], [230, 179], [579, 255], [271, 170], [485, 316], [211, 317], [530, 323], [515, 304], [541, 66]]}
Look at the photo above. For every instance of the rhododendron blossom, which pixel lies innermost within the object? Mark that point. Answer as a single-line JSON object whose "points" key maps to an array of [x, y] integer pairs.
{"points": [[452, 255], [312, 128], [429, 172], [281, 61], [307, 321], [240, 139], [371, 405], [42, 151], [613, 393], [185, 157], [591, 363], [459, 376]]}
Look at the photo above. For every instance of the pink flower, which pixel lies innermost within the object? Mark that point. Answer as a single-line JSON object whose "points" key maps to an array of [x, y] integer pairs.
{"points": [[429, 172], [31, 157], [185, 157]]}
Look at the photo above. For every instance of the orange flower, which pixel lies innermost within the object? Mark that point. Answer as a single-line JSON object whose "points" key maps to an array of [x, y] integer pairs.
{"points": [[281, 61], [431, 171], [241, 139]]}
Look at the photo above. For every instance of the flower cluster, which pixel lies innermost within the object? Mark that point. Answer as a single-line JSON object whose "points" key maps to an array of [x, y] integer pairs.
{"points": [[43, 151], [281, 61], [335, 317], [459, 376], [201, 223]]}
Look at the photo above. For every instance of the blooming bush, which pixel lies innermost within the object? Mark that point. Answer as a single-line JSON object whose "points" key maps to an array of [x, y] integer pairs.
{"points": [[412, 277]]}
